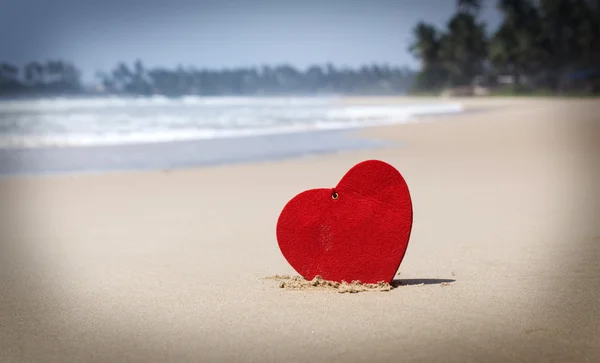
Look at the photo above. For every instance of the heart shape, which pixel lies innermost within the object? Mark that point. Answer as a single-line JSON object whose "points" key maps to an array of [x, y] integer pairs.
{"points": [[358, 230]]}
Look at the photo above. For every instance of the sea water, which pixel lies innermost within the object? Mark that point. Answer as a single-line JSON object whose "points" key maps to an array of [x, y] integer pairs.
{"points": [[97, 134]]}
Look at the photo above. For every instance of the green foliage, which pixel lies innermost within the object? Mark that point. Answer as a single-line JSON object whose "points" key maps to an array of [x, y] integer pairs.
{"points": [[517, 46], [540, 44], [426, 45], [471, 7], [56, 77], [463, 49], [453, 57]]}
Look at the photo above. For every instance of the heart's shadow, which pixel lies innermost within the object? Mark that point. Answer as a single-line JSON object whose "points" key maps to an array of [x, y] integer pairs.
{"points": [[408, 282]]}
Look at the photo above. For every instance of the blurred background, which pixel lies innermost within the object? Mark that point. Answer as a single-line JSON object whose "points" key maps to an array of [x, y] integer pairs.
{"points": [[89, 73]]}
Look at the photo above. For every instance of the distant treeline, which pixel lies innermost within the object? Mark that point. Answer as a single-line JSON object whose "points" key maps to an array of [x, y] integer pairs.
{"points": [[549, 45], [283, 79], [64, 78], [540, 44], [52, 77]]}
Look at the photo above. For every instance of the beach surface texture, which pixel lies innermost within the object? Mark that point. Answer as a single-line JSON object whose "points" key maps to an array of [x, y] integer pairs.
{"points": [[182, 265]]}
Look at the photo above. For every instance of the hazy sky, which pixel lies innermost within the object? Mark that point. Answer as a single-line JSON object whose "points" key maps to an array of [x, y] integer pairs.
{"points": [[95, 34]]}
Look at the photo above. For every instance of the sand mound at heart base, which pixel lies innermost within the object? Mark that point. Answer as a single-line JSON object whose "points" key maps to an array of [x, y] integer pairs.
{"points": [[299, 283]]}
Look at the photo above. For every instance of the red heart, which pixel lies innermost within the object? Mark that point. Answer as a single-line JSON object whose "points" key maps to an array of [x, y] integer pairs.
{"points": [[358, 230]]}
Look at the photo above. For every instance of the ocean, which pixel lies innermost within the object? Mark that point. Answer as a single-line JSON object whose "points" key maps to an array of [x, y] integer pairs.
{"points": [[100, 134]]}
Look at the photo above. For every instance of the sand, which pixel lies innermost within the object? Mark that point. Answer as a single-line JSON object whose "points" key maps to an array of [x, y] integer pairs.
{"points": [[173, 266], [319, 284]]}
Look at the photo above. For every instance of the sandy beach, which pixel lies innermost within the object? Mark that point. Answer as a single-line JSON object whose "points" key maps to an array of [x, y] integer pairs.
{"points": [[173, 265]]}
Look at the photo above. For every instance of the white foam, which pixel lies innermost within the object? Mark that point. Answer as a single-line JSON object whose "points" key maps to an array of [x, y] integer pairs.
{"points": [[112, 121], [62, 103]]}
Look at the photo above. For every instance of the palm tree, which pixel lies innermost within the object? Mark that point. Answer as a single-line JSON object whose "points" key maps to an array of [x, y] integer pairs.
{"points": [[471, 7], [571, 31], [34, 73], [463, 49], [122, 76], [516, 47], [426, 45], [71, 76]]}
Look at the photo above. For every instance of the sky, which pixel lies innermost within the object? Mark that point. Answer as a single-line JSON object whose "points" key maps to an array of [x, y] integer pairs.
{"points": [[96, 34]]}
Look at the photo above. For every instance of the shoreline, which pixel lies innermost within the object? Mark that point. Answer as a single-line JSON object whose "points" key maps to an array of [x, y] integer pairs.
{"points": [[106, 122], [177, 155], [174, 155], [154, 266], [202, 152]]}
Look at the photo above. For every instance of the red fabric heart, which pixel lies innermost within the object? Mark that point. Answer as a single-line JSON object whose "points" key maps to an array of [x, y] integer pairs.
{"points": [[358, 230]]}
